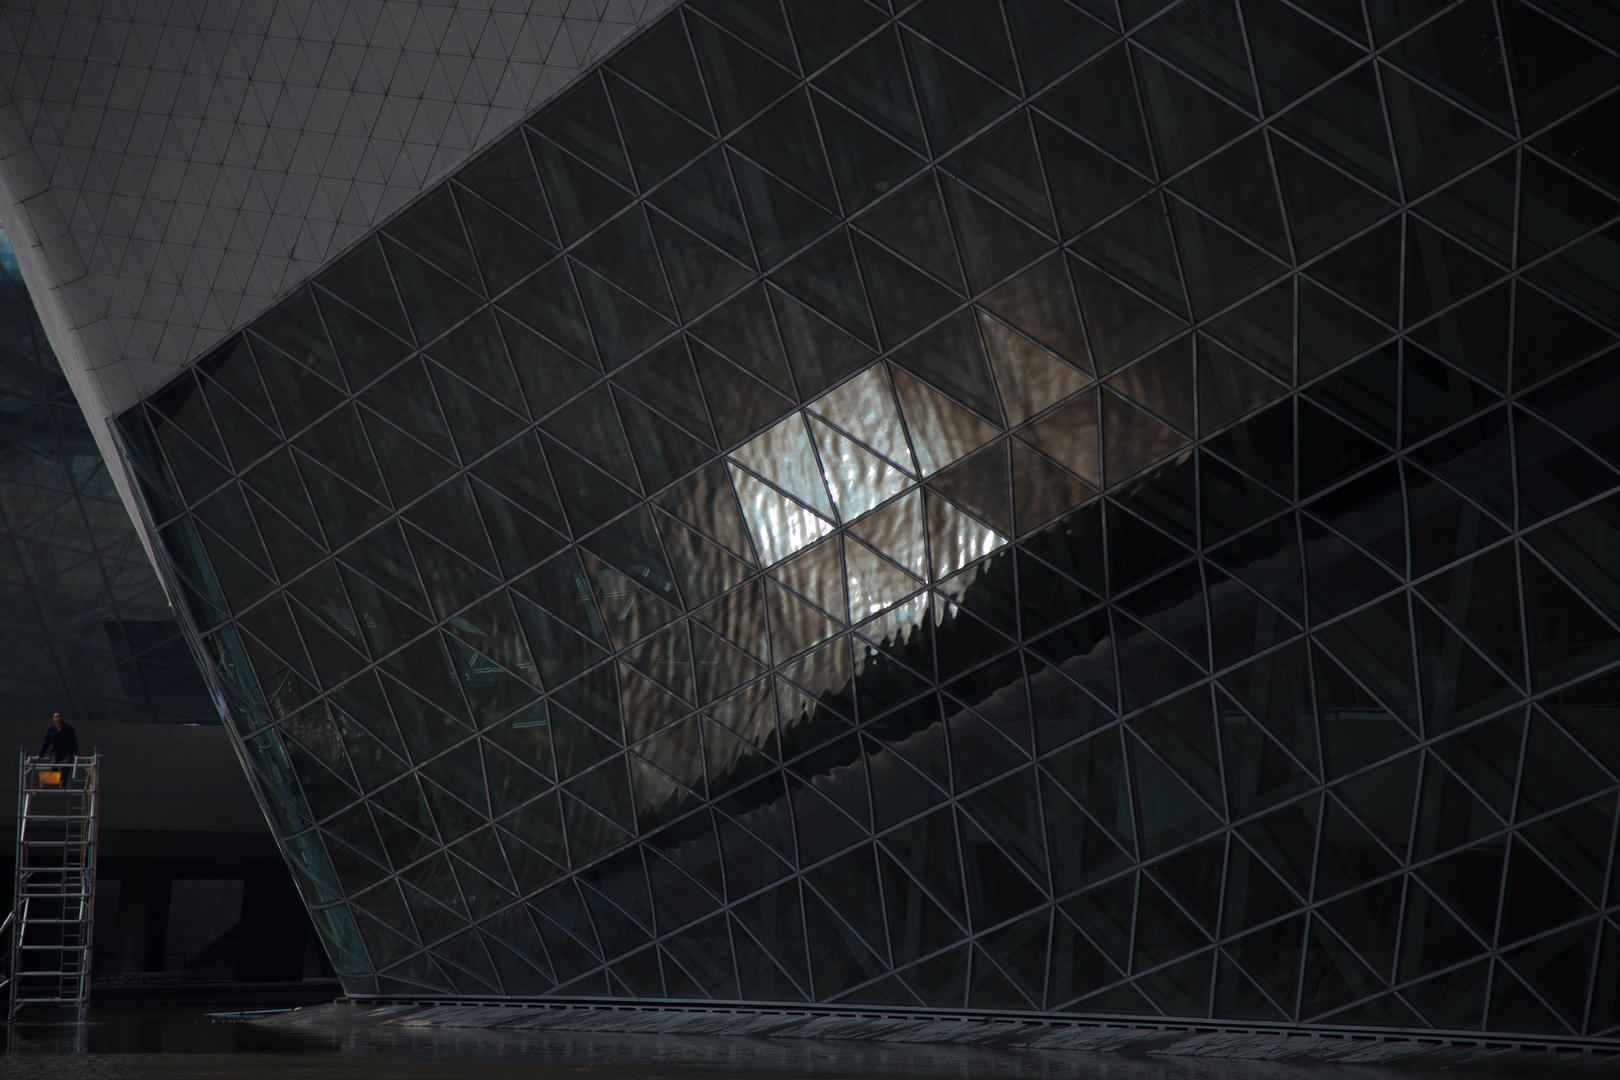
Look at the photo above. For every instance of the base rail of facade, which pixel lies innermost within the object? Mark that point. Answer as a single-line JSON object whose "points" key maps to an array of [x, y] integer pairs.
{"points": [[1022, 1029]]}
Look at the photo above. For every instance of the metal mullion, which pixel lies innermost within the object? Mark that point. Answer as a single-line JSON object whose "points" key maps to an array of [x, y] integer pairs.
{"points": [[1509, 839], [1361, 43], [506, 347], [1605, 929], [1514, 123], [1309, 907], [1288, 227], [900, 30]]}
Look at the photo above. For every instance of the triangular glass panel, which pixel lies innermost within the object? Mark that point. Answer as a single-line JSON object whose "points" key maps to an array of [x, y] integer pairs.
{"points": [[581, 197], [955, 99], [433, 300], [590, 425], [825, 278], [780, 219], [476, 352], [1424, 54], [1036, 303], [1324, 205], [820, 352], [1051, 39], [941, 431], [1123, 324], [663, 452], [1099, 102], [665, 379], [1205, 39], [702, 198], [783, 141], [993, 243], [979, 483], [363, 281], [623, 252], [660, 61], [871, 82], [548, 303], [1435, 139], [1002, 164], [741, 81], [698, 273], [865, 162], [505, 176], [1087, 185], [622, 326], [903, 299], [857, 478], [1029, 377], [1292, 54], [742, 330], [951, 358], [1186, 120], [659, 139]]}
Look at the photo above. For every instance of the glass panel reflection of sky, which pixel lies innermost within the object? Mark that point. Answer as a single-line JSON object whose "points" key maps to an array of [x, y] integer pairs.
{"points": [[863, 450], [783, 455], [859, 479], [864, 407], [780, 526]]}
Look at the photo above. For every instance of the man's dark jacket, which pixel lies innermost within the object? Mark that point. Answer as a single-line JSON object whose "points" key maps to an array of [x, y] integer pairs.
{"points": [[60, 744]]}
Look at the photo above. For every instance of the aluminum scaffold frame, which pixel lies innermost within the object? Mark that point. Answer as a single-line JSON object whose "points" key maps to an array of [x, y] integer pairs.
{"points": [[55, 895]]}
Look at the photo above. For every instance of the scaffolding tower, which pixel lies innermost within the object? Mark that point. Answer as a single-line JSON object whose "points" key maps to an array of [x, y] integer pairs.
{"points": [[55, 894]]}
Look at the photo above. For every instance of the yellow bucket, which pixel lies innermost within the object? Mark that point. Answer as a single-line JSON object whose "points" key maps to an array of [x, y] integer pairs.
{"points": [[50, 778]]}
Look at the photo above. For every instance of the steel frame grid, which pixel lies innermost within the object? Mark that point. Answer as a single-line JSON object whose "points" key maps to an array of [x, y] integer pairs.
{"points": [[1433, 438]]}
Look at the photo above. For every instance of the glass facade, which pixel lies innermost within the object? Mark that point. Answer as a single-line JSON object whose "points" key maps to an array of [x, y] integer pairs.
{"points": [[85, 627], [1032, 506]]}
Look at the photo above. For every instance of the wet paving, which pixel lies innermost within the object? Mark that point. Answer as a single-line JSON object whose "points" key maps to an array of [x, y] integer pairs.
{"points": [[147, 1043]]}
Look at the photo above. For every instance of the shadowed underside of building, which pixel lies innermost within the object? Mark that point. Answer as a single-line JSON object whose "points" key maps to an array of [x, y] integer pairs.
{"points": [[1027, 507]]}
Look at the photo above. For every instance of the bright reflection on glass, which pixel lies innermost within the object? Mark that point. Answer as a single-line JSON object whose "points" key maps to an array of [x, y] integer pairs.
{"points": [[858, 478], [897, 531], [875, 583], [864, 407], [780, 526], [957, 539], [783, 455]]}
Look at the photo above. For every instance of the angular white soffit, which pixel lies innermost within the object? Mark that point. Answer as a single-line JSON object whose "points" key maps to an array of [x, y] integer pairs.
{"points": [[169, 168]]}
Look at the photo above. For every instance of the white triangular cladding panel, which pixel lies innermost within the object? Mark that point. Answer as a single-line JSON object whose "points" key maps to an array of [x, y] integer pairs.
{"points": [[214, 114]]}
